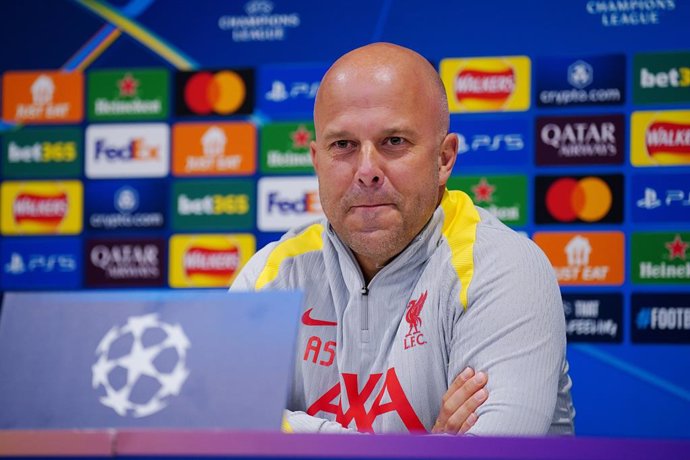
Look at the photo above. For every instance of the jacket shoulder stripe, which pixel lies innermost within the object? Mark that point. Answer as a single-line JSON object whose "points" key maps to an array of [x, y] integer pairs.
{"points": [[309, 240], [460, 230]]}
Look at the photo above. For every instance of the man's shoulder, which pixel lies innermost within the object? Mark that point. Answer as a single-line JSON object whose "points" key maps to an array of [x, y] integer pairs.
{"points": [[278, 256]]}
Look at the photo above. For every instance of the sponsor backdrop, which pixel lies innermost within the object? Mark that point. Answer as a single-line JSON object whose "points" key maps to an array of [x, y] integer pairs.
{"points": [[158, 144]]}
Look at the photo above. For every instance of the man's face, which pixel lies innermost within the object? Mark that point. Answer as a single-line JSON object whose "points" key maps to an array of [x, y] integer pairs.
{"points": [[376, 155]]}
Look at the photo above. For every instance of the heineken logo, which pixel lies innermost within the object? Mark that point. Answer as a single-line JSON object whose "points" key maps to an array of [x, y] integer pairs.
{"points": [[661, 257], [503, 196], [129, 95], [285, 147]]}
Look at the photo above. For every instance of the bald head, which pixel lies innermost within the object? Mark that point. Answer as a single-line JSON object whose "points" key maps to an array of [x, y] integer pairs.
{"points": [[386, 64]]}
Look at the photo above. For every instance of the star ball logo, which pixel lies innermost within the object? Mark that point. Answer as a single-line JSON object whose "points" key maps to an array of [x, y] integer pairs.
{"points": [[219, 92], [143, 350], [579, 199], [487, 84]]}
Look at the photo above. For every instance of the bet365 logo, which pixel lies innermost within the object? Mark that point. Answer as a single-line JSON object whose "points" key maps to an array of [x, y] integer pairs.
{"points": [[662, 77]]}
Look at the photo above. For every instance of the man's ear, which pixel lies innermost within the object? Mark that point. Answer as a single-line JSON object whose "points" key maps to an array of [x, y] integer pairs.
{"points": [[312, 152], [447, 157]]}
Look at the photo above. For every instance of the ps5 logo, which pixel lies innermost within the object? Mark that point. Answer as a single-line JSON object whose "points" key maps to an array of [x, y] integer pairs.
{"points": [[279, 91], [40, 263], [651, 200], [509, 142]]}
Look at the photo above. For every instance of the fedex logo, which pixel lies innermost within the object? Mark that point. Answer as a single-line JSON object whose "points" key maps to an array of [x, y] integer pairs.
{"points": [[286, 202], [308, 203], [136, 149], [127, 150]]}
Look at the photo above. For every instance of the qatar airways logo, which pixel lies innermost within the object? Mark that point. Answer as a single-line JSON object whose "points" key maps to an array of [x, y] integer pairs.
{"points": [[288, 202]]}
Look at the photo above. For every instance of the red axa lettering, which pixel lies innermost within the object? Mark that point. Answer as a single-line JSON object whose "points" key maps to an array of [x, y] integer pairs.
{"points": [[211, 262], [482, 84], [331, 402], [49, 210], [668, 137]]}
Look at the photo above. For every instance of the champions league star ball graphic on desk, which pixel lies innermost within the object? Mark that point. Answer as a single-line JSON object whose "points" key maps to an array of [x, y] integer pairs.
{"points": [[141, 365]]}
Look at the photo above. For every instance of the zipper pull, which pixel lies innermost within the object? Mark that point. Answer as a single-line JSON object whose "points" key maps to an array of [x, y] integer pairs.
{"points": [[365, 291]]}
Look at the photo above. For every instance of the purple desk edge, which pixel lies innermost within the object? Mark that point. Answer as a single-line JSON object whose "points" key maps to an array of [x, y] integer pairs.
{"points": [[248, 444]]}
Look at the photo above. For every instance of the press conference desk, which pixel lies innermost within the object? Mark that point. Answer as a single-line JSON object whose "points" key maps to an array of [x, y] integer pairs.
{"points": [[219, 444]]}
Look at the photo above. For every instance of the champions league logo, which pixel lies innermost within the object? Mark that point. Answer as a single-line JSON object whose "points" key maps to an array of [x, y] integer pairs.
{"points": [[141, 365]]}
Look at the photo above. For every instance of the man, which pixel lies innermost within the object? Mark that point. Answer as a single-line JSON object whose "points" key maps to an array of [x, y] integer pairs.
{"points": [[410, 288]]}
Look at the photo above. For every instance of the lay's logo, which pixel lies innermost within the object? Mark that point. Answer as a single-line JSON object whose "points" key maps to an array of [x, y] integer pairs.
{"points": [[208, 260], [42, 208], [487, 84], [660, 138]]}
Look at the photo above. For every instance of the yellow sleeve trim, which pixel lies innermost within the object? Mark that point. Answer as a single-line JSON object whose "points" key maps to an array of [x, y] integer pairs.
{"points": [[460, 230], [309, 240], [285, 426]]}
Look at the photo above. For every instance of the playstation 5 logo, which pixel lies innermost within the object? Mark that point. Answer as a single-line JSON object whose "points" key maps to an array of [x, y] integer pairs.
{"points": [[652, 201], [279, 91]]}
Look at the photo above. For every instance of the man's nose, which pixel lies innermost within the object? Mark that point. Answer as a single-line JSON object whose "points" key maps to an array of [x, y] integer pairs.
{"points": [[369, 171]]}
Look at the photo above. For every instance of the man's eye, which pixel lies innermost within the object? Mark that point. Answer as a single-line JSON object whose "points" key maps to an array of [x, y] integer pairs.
{"points": [[342, 144], [395, 140]]}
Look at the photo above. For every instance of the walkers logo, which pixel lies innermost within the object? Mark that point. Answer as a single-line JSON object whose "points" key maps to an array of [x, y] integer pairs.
{"points": [[208, 260], [214, 149], [260, 24], [223, 205], [579, 199], [285, 148], [287, 202], [661, 198], [660, 138], [126, 205], [487, 84], [289, 90], [42, 152], [660, 318], [490, 143], [586, 258], [132, 150], [580, 140], [660, 258], [661, 78], [221, 92], [41, 208], [126, 262], [119, 95], [41, 263], [43, 97], [414, 336], [590, 80], [593, 318], [503, 196], [352, 408]]}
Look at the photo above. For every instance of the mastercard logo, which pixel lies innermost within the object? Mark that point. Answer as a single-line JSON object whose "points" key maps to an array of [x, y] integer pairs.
{"points": [[223, 92], [585, 199], [588, 199]]}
